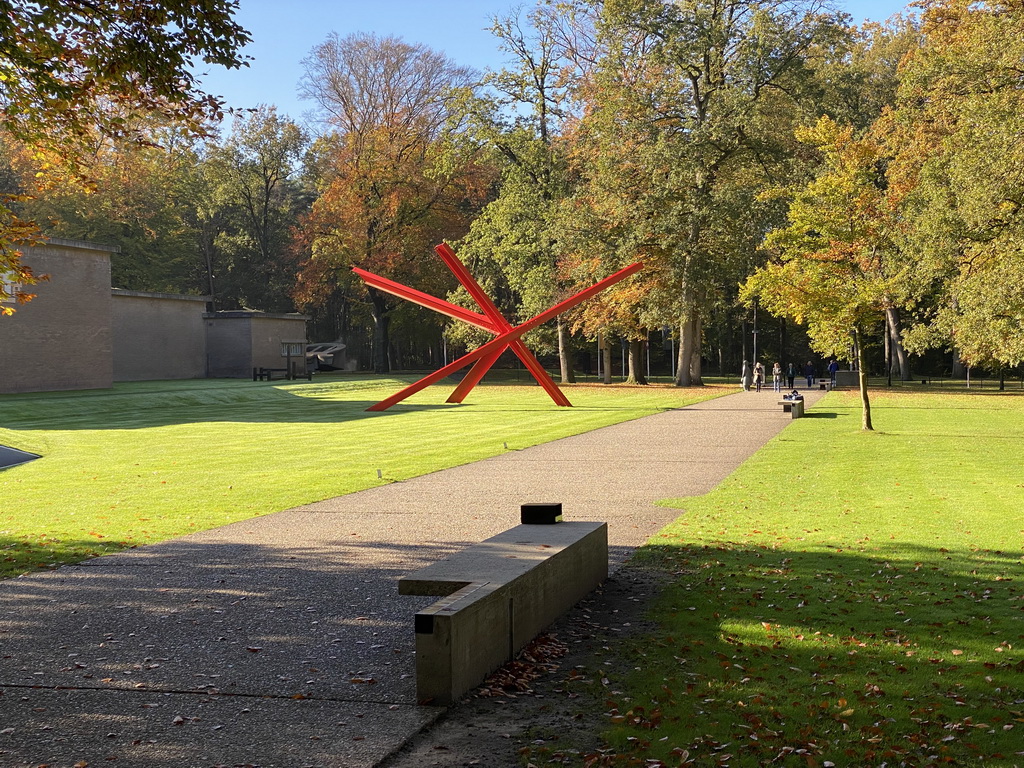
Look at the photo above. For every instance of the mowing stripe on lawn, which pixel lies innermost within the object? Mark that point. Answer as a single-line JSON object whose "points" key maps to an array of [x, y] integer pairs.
{"points": [[150, 461]]}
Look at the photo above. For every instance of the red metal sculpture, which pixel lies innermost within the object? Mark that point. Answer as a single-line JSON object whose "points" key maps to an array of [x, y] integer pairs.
{"points": [[505, 334]]}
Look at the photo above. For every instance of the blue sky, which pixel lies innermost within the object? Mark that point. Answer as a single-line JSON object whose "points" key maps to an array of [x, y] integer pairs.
{"points": [[284, 32]]}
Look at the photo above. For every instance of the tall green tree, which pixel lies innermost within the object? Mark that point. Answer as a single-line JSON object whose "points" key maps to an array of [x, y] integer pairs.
{"points": [[259, 196], [691, 99], [515, 240], [957, 167]]}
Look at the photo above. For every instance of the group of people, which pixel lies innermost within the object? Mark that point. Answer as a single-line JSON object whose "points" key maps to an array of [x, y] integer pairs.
{"points": [[756, 377]]}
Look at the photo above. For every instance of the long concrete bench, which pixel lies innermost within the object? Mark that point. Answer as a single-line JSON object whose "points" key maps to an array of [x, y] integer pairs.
{"points": [[498, 595]]}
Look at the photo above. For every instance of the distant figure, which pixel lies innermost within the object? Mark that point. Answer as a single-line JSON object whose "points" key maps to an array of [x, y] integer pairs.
{"points": [[758, 375], [790, 375], [777, 377], [745, 377], [809, 373], [832, 368]]}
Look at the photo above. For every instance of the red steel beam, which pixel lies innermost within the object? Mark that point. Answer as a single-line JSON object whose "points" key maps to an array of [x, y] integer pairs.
{"points": [[528, 359], [474, 375], [426, 300]]}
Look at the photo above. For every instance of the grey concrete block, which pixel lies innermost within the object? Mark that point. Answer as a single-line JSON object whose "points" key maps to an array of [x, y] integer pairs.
{"points": [[499, 595]]}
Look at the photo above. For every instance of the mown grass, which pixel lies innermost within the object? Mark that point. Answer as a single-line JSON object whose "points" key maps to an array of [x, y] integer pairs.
{"points": [[149, 461], [843, 599]]}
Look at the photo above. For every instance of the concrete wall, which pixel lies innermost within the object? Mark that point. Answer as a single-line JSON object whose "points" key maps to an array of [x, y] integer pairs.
{"points": [[61, 339], [158, 336], [238, 341]]}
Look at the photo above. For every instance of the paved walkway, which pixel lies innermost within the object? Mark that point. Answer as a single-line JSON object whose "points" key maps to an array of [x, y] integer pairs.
{"points": [[281, 641]]}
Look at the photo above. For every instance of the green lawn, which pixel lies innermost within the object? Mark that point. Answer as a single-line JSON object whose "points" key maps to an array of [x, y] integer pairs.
{"points": [[843, 599], [149, 461]]}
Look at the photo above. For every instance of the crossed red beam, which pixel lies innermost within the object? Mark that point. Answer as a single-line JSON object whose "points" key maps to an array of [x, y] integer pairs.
{"points": [[506, 336]]}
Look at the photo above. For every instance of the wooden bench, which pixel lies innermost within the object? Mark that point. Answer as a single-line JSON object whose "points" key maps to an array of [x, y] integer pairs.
{"points": [[499, 595], [794, 407], [269, 374]]}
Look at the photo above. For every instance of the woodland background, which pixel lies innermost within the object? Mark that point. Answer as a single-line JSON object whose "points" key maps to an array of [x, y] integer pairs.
{"points": [[843, 191]]}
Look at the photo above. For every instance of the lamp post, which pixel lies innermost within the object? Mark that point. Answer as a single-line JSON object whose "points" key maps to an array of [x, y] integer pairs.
{"points": [[753, 360]]}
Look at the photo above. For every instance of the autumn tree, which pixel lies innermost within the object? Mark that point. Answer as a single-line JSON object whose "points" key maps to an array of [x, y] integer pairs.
{"points": [[839, 264], [398, 170], [72, 73], [135, 200]]}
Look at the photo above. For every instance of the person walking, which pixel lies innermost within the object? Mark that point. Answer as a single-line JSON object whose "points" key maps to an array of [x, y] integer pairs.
{"points": [[790, 375], [777, 377], [758, 375], [809, 373], [745, 377], [833, 366]]}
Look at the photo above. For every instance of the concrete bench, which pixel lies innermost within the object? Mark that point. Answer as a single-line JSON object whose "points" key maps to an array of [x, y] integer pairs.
{"points": [[794, 407], [499, 595], [825, 384]]}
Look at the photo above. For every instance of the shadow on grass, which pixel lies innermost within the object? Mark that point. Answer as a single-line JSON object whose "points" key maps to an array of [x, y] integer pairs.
{"points": [[156, 404], [899, 654], [241, 402]]}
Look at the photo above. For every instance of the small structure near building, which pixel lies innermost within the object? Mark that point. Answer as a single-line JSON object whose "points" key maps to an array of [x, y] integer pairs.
{"points": [[240, 340]]}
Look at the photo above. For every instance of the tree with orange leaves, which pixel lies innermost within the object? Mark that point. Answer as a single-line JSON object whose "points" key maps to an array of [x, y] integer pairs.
{"points": [[72, 73], [397, 171]]}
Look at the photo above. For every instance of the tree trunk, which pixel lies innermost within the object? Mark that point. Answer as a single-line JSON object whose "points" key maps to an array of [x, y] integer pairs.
{"points": [[636, 362], [606, 359], [206, 244], [381, 323], [959, 371], [895, 330], [889, 364], [687, 369], [783, 334], [744, 335], [564, 357], [865, 403]]}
